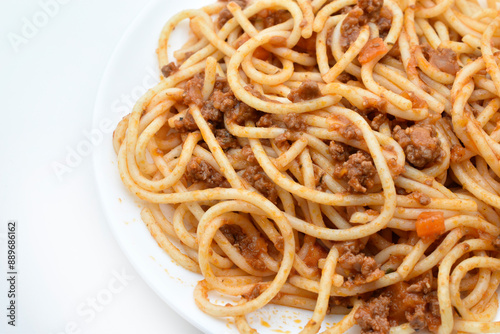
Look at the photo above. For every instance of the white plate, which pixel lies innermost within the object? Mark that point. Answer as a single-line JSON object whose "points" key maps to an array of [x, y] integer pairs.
{"points": [[131, 69]]}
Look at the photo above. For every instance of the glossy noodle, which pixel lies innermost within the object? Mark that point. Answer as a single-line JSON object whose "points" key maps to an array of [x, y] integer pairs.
{"points": [[336, 156]]}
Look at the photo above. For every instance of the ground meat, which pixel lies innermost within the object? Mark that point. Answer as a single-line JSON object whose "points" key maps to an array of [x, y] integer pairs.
{"points": [[274, 17], [308, 90], [344, 77], [353, 246], [247, 154], [192, 91], [360, 267], [169, 69], [260, 181], [415, 302], [358, 171], [373, 112], [365, 11], [222, 96], [340, 301], [242, 113], [266, 121], [378, 121], [370, 6], [420, 144], [225, 15], [222, 100], [249, 246], [372, 316], [186, 124], [421, 198], [443, 58], [339, 151], [225, 139], [294, 122], [351, 131], [199, 170], [319, 179]]}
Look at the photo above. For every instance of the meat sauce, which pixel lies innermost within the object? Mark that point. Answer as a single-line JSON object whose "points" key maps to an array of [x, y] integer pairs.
{"points": [[420, 143], [365, 11], [414, 302], [358, 171], [249, 246]]}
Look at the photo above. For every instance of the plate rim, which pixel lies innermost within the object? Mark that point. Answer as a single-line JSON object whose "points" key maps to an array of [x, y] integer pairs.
{"points": [[99, 101]]}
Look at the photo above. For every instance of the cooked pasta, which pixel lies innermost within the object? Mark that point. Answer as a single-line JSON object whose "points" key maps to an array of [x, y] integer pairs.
{"points": [[336, 156]]}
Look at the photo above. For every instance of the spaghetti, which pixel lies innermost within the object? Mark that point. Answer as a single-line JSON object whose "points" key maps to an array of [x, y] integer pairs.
{"points": [[336, 156]]}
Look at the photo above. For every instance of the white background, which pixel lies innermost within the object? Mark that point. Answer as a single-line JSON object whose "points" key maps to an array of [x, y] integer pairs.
{"points": [[67, 255]]}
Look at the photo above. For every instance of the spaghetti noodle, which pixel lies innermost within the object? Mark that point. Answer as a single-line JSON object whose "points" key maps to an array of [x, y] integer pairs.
{"points": [[337, 156]]}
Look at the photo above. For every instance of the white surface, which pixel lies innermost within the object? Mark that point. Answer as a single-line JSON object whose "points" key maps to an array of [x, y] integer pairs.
{"points": [[67, 252], [173, 284]]}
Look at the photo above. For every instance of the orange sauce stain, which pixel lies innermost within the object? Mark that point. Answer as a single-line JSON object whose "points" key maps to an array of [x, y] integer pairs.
{"points": [[264, 323]]}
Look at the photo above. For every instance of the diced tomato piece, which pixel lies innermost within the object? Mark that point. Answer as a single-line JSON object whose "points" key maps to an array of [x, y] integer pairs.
{"points": [[430, 225], [372, 49]]}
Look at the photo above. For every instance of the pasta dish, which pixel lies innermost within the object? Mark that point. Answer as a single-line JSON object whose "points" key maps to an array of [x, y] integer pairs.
{"points": [[339, 156]]}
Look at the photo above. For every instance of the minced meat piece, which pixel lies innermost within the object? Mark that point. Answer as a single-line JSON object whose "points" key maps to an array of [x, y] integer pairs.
{"points": [[186, 124], [422, 198], [351, 131], [249, 246], [225, 139], [220, 101], [420, 143], [339, 151], [225, 15], [169, 69], [222, 96], [247, 154], [274, 17], [371, 6], [359, 172], [443, 58], [199, 170], [372, 317], [344, 77], [192, 91], [260, 181], [242, 113], [266, 121], [353, 246], [365, 11], [307, 90], [294, 122], [362, 268]]}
